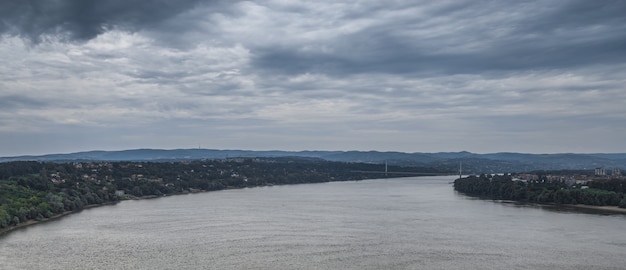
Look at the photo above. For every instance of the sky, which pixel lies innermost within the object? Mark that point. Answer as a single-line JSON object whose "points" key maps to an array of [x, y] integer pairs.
{"points": [[408, 76]]}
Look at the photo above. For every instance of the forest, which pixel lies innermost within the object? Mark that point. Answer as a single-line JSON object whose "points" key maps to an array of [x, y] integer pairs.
{"points": [[503, 187], [35, 191]]}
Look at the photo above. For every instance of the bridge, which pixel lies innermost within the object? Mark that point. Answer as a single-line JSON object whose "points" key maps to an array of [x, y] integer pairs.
{"points": [[387, 172], [406, 173]]}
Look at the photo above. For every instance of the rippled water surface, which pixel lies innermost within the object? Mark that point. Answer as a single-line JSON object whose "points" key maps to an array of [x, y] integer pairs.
{"points": [[408, 223]]}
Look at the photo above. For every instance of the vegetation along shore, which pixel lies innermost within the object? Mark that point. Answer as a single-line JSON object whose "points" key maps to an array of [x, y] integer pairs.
{"points": [[32, 192], [606, 196]]}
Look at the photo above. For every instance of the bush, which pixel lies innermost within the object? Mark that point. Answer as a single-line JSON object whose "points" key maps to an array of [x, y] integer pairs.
{"points": [[622, 203]]}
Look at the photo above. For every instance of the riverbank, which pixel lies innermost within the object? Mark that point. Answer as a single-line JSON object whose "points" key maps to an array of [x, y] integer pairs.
{"points": [[592, 209], [598, 198], [606, 209], [6, 230]]}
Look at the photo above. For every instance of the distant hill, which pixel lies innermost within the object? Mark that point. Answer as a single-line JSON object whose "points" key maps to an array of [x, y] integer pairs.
{"points": [[472, 163]]}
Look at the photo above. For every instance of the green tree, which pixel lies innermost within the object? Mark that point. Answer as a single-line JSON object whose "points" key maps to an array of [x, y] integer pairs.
{"points": [[622, 203], [5, 218]]}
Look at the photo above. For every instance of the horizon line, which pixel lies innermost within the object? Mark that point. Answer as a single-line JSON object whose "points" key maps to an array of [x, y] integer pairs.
{"points": [[299, 151]]}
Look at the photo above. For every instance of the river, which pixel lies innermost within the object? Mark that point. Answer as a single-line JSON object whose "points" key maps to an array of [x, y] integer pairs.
{"points": [[403, 223]]}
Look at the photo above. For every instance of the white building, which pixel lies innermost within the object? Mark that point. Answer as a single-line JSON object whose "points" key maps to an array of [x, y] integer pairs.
{"points": [[600, 172]]}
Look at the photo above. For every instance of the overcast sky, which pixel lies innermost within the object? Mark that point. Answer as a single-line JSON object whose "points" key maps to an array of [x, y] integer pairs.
{"points": [[409, 76]]}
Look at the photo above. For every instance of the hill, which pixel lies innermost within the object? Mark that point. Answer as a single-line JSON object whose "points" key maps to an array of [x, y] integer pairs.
{"points": [[446, 161]]}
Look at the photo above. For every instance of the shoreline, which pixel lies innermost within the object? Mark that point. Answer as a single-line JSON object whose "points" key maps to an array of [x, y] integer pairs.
{"points": [[610, 209], [583, 208], [6, 230]]}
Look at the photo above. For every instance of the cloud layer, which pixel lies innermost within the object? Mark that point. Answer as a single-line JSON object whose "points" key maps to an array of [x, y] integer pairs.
{"points": [[483, 76]]}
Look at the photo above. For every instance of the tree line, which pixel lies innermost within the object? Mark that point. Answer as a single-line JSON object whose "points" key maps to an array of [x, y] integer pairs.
{"points": [[503, 187], [32, 190]]}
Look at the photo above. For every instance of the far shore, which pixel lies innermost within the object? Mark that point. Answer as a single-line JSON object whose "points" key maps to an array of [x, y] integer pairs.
{"points": [[575, 207], [612, 209]]}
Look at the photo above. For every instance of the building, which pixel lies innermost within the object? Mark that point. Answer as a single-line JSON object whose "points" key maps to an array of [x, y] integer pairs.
{"points": [[600, 172], [617, 172]]}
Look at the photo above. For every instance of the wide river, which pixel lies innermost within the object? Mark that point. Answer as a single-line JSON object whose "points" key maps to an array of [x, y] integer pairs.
{"points": [[405, 223]]}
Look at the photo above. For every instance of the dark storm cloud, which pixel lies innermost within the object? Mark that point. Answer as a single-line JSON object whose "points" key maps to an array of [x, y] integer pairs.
{"points": [[85, 19], [490, 36]]}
